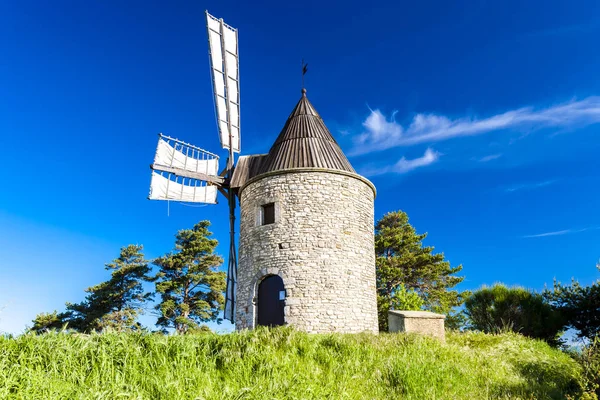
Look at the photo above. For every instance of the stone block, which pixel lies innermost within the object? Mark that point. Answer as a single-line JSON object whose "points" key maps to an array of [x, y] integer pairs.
{"points": [[421, 322]]}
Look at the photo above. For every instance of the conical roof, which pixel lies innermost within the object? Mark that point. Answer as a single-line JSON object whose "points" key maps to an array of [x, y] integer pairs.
{"points": [[305, 142]]}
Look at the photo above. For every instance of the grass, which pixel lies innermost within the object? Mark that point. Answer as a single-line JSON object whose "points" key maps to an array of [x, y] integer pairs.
{"points": [[283, 364]]}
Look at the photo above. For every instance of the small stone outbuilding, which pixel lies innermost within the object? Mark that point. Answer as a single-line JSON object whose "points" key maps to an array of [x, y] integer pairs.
{"points": [[421, 322]]}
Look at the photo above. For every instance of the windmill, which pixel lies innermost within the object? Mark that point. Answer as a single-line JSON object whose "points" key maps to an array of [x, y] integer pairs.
{"points": [[186, 173]]}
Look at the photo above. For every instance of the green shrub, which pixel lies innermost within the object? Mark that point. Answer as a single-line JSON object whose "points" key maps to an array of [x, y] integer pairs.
{"points": [[499, 309]]}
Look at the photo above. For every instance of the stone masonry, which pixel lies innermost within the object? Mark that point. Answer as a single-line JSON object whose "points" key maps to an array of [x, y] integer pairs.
{"points": [[321, 245], [421, 322]]}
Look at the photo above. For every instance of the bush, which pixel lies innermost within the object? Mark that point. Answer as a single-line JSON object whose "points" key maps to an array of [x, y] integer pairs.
{"points": [[499, 309]]}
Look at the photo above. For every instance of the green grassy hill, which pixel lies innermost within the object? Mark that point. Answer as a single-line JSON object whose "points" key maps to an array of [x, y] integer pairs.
{"points": [[283, 364]]}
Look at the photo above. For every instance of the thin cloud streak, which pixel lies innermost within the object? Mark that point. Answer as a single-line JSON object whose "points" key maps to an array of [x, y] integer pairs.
{"points": [[490, 157], [381, 133], [563, 232], [528, 186], [403, 165]]}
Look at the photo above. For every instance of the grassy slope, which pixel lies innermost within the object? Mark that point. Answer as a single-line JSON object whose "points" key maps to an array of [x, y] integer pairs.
{"points": [[282, 364]]}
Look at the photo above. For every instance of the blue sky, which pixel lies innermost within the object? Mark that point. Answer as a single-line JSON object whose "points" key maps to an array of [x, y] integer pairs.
{"points": [[479, 119]]}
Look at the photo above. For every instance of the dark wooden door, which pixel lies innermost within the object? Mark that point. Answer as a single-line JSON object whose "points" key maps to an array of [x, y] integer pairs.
{"points": [[271, 301]]}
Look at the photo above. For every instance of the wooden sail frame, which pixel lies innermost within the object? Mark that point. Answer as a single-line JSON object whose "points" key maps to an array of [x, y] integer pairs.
{"points": [[227, 113]]}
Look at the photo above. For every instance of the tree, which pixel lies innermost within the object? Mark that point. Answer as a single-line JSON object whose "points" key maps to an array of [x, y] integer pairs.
{"points": [[580, 306], [45, 322], [115, 303], [405, 267], [499, 308], [189, 284]]}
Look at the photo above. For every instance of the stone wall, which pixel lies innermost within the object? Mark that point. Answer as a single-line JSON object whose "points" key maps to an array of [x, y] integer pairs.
{"points": [[321, 245], [421, 322]]}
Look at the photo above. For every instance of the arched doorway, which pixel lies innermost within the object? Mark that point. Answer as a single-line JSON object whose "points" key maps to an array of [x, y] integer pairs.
{"points": [[271, 301]]}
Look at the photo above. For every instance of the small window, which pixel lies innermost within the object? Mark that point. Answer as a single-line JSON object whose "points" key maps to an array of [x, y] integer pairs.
{"points": [[268, 213]]}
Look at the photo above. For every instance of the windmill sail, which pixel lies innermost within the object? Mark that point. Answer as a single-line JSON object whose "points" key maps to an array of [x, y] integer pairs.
{"points": [[177, 154], [178, 188], [183, 172], [224, 62]]}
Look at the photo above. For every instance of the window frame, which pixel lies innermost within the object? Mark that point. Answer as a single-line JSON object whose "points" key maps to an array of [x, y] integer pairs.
{"points": [[263, 213]]}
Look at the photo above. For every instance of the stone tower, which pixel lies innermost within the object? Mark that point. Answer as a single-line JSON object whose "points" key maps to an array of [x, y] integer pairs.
{"points": [[306, 252]]}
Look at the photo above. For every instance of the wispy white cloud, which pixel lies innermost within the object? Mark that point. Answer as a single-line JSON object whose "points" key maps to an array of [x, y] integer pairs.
{"points": [[554, 233], [403, 165], [528, 186], [490, 157], [563, 232], [381, 133]]}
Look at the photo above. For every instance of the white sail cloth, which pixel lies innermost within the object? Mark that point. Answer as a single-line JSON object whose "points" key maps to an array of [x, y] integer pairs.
{"points": [[163, 188], [191, 160], [224, 62]]}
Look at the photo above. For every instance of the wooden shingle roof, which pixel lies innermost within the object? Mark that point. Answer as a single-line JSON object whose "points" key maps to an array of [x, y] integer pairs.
{"points": [[304, 142], [247, 168]]}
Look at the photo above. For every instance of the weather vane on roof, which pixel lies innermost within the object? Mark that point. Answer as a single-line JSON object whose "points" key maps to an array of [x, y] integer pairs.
{"points": [[304, 70]]}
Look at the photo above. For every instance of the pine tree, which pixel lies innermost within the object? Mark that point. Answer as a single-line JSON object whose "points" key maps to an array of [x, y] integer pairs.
{"points": [[45, 322], [579, 305], [189, 284], [405, 267], [115, 303]]}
